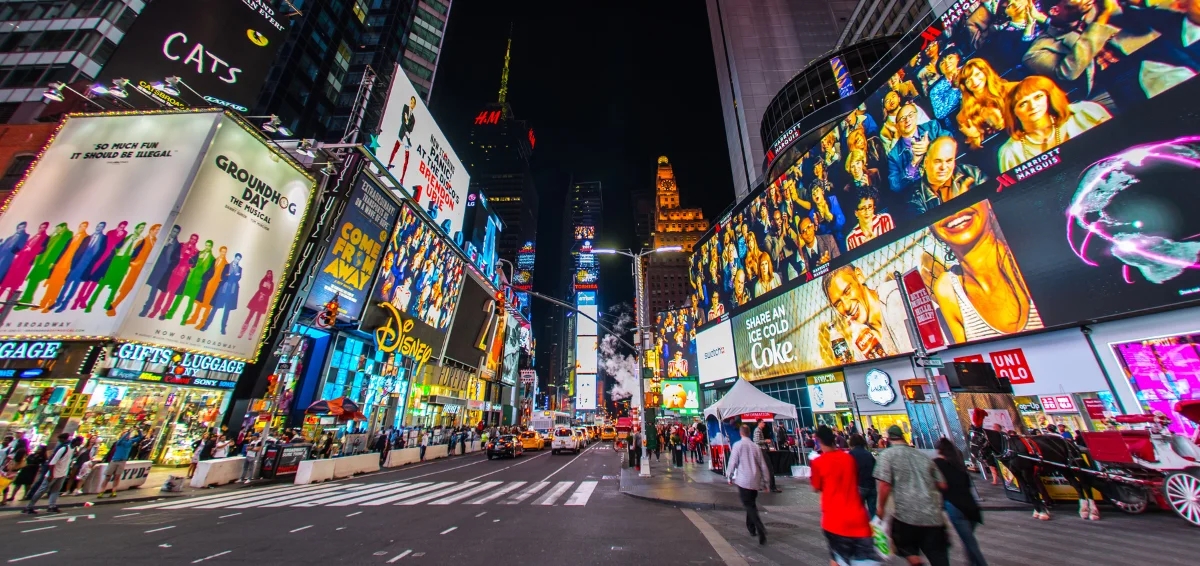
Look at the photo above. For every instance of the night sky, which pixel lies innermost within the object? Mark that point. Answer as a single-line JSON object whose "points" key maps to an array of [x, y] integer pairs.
{"points": [[607, 90]]}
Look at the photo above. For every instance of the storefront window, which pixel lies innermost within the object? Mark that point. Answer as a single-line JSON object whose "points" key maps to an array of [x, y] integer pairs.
{"points": [[1163, 371], [35, 406], [364, 374]]}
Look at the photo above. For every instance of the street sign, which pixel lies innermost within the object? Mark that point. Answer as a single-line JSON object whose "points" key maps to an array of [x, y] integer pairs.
{"points": [[930, 362]]}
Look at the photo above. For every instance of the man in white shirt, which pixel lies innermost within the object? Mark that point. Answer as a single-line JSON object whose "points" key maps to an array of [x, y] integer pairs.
{"points": [[878, 314], [60, 466]]}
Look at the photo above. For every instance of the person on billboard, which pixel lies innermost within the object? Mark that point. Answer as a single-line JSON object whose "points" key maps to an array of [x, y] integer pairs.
{"points": [[45, 261], [118, 265], [208, 289], [140, 253], [717, 308], [81, 261], [200, 272], [227, 293], [816, 249], [864, 181], [1104, 48], [259, 304], [22, 261], [408, 121], [188, 254], [870, 145], [942, 177], [873, 319], [740, 295], [1040, 118], [870, 225], [113, 241], [1002, 31], [904, 160], [983, 294], [984, 98], [827, 214], [768, 280], [1179, 23], [11, 245], [676, 367], [160, 274], [905, 90]]}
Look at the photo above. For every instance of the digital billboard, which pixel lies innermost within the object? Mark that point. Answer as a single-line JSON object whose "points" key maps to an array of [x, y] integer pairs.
{"points": [[227, 250], [420, 274], [222, 49], [675, 343], [584, 325], [474, 324], [523, 278], [512, 350], [714, 353], [585, 232], [992, 97], [415, 151], [681, 396], [348, 265], [79, 231], [585, 354], [585, 392]]}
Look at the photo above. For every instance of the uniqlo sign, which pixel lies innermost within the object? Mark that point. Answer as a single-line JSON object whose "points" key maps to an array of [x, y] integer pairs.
{"points": [[1057, 404], [1011, 364]]}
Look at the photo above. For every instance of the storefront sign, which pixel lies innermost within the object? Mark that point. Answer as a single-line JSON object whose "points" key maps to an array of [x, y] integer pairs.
{"points": [[1058, 404], [835, 377], [18, 373], [924, 315], [528, 376], [397, 336], [171, 379], [1029, 407], [178, 362], [1095, 408], [1011, 364], [879, 387], [473, 405], [29, 350], [975, 359], [751, 417]]}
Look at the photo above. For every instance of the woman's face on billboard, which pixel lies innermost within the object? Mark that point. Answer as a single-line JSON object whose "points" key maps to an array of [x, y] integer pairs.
{"points": [[964, 228], [975, 81], [1031, 108]]}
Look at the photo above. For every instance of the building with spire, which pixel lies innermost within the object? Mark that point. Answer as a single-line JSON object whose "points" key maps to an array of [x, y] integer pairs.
{"points": [[674, 225]]}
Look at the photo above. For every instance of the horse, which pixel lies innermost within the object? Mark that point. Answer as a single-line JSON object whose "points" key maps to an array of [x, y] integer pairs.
{"points": [[1025, 456], [982, 453]]}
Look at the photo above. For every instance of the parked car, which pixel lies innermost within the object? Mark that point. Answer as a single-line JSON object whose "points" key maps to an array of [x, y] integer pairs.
{"points": [[506, 445]]}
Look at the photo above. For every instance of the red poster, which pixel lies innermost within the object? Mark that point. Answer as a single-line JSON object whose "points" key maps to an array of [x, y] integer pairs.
{"points": [[924, 315], [1011, 364], [1095, 408], [976, 359]]}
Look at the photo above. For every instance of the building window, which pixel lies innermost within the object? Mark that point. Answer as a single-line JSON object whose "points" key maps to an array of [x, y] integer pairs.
{"points": [[15, 171]]}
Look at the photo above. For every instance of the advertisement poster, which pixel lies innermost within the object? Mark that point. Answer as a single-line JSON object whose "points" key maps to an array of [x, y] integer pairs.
{"points": [[585, 354], [512, 350], [1163, 372], [420, 273], [415, 151], [681, 395], [675, 343], [972, 108], [80, 233], [349, 264], [714, 346], [825, 391], [213, 286], [856, 312], [220, 48], [585, 392]]}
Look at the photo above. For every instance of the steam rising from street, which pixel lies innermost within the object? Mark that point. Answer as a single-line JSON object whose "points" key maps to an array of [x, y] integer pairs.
{"points": [[623, 369]]}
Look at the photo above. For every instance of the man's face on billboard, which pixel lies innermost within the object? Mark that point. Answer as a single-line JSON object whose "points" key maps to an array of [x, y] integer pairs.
{"points": [[849, 296]]}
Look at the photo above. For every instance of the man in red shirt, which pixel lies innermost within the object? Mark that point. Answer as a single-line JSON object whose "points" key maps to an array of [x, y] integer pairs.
{"points": [[843, 516]]}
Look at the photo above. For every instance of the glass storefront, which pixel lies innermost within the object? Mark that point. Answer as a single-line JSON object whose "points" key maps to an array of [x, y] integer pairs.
{"points": [[34, 406], [368, 376], [881, 423]]}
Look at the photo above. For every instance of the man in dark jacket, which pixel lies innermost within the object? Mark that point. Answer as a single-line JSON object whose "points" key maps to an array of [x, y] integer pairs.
{"points": [[866, 471]]}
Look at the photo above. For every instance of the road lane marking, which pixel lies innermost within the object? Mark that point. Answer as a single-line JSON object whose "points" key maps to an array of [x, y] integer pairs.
{"points": [[125, 515], [215, 502], [160, 529], [448, 530], [510, 466], [582, 494], [174, 501], [399, 556], [210, 557], [532, 489], [33, 556], [229, 515], [468, 493], [496, 494], [325, 499], [259, 502], [551, 496], [300, 529], [438, 493], [394, 489], [40, 529], [718, 542], [354, 513], [411, 493], [481, 514], [572, 461]]}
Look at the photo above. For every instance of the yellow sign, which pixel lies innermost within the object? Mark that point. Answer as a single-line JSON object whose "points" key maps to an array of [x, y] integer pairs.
{"points": [[393, 337], [76, 405]]}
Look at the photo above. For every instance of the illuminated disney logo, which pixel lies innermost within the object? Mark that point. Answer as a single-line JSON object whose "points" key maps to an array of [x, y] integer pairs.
{"points": [[394, 337]]}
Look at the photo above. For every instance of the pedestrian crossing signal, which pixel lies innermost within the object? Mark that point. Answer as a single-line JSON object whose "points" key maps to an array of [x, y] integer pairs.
{"points": [[914, 392]]}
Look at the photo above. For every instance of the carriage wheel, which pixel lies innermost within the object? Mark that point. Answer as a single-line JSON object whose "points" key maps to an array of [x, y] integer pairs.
{"points": [[1182, 490], [1128, 499]]}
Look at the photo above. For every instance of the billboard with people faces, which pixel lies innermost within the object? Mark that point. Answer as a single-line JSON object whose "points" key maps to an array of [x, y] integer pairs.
{"points": [[675, 343], [992, 95], [420, 275]]}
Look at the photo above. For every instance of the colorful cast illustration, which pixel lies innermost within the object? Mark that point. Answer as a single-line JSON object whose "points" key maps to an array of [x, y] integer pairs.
{"points": [[675, 343], [1004, 82], [421, 275]]}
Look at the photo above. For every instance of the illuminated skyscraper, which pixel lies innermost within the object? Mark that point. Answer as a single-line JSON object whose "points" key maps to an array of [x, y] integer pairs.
{"points": [[666, 274]]}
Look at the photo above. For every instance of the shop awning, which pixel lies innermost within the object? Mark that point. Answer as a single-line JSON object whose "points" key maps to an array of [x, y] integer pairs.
{"points": [[745, 398]]}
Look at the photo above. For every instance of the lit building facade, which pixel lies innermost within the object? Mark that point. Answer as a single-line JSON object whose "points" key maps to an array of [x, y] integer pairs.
{"points": [[666, 275]]}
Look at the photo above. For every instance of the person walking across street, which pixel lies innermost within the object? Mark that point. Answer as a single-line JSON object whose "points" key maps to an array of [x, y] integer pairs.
{"points": [[865, 463], [912, 480], [843, 516], [960, 503], [748, 470], [119, 456], [60, 466]]}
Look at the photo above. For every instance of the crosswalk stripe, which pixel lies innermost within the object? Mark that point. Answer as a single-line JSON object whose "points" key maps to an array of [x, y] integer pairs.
{"points": [[373, 490], [553, 495], [260, 501], [394, 489], [582, 494], [206, 498], [439, 493], [408, 494], [468, 493], [496, 494], [239, 496], [532, 489], [312, 496]]}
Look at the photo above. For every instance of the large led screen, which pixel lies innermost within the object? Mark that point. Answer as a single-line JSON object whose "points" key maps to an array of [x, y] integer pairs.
{"points": [[585, 354], [512, 349], [681, 395], [585, 392], [420, 274], [996, 92], [675, 343], [714, 348], [587, 326]]}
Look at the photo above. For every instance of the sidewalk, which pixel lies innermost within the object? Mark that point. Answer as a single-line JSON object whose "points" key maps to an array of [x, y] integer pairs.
{"points": [[148, 491], [696, 487]]}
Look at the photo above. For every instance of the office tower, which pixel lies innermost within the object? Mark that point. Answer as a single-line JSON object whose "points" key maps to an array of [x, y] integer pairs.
{"points": [[424, 45], [873, 18]]}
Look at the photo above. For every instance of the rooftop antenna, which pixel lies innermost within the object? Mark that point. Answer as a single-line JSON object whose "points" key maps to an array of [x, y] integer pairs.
{"points": [[504, 73]]}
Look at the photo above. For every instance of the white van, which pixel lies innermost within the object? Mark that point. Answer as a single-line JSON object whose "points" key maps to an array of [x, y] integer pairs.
{"points": [[564, 439]]}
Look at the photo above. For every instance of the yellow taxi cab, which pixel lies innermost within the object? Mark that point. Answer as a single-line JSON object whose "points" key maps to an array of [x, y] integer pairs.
{"points": [[593, 432], [531, 440], [608, 433]]}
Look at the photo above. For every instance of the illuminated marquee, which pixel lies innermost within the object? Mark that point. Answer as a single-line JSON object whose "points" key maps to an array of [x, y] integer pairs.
{"points": [[179, 363]]}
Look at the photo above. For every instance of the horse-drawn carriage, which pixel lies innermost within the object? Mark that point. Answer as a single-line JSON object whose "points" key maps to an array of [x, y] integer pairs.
{"points": [[1142, 461]]}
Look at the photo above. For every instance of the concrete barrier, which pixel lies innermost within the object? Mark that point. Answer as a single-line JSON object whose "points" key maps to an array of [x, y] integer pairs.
{"points": [[313, 471], [401, 456], [347, 466], [218, 471], [435, 452], [134, 475]]}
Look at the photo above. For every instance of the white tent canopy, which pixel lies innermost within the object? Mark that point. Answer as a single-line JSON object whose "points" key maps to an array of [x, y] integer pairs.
{"points": [[745, 398]]}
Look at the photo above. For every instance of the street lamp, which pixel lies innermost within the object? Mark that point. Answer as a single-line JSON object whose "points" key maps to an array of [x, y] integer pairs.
{"points": [[640, 295]]}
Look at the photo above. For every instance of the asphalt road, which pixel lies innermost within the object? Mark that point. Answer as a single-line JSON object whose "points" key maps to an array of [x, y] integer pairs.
{"points": [[538, 508]]}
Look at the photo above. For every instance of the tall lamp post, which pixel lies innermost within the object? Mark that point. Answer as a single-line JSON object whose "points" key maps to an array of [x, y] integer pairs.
{"points": [[640, 295]]}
